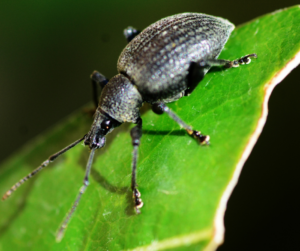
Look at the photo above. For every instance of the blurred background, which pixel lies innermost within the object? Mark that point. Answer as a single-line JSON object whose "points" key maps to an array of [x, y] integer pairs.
{"points": [[48, 49]]}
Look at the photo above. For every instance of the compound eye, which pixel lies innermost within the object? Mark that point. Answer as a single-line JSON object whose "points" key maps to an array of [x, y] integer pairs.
{"points": [[106, 125]]}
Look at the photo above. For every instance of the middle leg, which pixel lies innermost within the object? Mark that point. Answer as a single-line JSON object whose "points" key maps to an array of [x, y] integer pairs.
{"points": [[160, 108], [97, 80]]}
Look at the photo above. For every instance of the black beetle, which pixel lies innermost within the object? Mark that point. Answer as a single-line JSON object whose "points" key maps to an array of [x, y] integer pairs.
{"points": [[161, 64]]}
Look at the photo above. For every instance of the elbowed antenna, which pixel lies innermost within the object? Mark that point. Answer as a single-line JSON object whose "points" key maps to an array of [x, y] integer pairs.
{"points": [[44, 164], [61, 231]]}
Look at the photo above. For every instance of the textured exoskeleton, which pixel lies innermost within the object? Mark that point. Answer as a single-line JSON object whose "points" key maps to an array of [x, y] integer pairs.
{"points": [[157, 60]]}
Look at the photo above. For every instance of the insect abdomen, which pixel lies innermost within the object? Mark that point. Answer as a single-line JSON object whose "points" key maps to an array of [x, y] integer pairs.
{"points": [[157, 60]]}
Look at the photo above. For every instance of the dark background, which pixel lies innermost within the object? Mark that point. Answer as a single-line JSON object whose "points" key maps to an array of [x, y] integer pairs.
{"points": [[48, 50]]}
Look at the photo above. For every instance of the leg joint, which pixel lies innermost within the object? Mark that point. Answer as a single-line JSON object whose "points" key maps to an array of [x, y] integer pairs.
{"points": [[159, 108]]}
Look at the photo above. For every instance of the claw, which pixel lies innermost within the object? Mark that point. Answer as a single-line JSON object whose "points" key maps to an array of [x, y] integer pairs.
{"points": [[137, 200], [203, 139], [243, 60]]}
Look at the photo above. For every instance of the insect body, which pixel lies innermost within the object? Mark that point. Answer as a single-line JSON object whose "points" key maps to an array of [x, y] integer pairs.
{"points": [[161, 64]]}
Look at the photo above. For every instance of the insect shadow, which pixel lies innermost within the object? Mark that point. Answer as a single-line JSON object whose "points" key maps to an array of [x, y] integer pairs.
{"points": [[165, 132], [21, 205]]}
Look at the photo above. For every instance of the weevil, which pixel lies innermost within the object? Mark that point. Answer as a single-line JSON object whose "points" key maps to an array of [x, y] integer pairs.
{"points": [[161, 64]]}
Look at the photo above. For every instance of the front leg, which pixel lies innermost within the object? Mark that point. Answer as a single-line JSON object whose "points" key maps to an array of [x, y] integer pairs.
{"points": [[136, 134]]}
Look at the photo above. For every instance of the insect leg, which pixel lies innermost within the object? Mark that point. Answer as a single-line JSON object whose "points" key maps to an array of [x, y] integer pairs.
{"points": [[227, 63], [97, 79], [64, 225], [44, 164], [130, 33], [136, 134], [198, 70], [196, 74], [160, 108]]}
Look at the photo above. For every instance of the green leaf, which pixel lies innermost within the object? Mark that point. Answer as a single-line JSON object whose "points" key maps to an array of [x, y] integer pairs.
{"points": [[184, 186]]}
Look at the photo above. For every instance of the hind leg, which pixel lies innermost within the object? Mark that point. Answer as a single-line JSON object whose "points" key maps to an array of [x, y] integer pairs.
{"points": [[130, 33], [198, 70]]}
